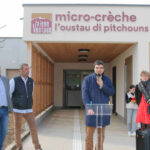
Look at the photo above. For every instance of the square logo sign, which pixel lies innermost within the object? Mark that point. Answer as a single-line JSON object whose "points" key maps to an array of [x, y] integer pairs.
{"points": [[41, 23]]}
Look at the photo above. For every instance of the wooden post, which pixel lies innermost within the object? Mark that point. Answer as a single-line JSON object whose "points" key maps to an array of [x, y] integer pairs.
{"points": [[29, 56], [42, 73]]}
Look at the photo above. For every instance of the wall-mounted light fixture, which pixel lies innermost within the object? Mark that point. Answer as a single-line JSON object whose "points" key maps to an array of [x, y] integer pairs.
{"points": [[83, 56], [82, 60], [84, 50]]}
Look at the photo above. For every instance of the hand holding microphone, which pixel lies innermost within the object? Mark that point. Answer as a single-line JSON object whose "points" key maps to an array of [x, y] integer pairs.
{"points": [[99, 80]]}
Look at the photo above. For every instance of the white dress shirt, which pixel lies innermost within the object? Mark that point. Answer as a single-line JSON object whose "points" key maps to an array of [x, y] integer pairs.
{"points": [[3, 97], [12, 88]]}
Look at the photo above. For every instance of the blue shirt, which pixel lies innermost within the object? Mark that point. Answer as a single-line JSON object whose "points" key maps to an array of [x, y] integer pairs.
{"points": [[3, 98]]}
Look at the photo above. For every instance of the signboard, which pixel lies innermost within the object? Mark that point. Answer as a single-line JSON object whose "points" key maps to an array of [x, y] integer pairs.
{"points": [[105, 22]]}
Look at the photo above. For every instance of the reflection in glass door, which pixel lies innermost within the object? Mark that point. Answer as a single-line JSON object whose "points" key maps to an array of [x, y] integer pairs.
{"points": [[72, 87]]}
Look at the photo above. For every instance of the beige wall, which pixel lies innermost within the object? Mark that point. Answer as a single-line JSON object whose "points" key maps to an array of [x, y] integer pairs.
{"points": [[58, 77], [119, 62], [11, 73], [129, 68]]}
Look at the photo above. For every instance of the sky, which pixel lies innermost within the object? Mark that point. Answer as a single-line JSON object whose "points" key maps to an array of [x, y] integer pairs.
{"points": [[11, 12]]}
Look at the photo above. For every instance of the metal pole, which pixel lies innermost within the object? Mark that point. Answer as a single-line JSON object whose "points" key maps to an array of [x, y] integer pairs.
{"points": [[101, 127], [97, 125]]}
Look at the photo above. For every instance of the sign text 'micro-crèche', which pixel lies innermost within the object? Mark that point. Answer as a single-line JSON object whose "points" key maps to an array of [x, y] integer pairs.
{"points": [[110, 17]]}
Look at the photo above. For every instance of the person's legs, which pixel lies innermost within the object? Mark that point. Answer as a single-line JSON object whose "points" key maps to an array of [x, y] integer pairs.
{"points": [[100, 138], [31, 122], [129, 120], [3, 125], [17, 129], [89, 138], [134, 125]]}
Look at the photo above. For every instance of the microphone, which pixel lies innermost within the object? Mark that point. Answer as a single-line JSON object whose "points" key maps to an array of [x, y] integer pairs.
{"points": [[99, 75]]}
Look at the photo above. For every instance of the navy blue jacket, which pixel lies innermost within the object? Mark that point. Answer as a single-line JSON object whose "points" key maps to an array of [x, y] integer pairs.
{"points": [[91, 92], [22, 95]]}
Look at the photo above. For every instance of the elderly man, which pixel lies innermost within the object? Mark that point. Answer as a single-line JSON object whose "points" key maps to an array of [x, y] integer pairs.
{"points": [[21, 89], [96, 89], [5, 107]]}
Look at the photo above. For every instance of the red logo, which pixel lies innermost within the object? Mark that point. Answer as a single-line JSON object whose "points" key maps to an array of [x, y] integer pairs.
{"points": [[41, 23]]}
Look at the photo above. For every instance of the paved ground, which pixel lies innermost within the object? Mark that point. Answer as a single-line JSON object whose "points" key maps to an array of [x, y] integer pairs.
{"points": [[65, 130]]}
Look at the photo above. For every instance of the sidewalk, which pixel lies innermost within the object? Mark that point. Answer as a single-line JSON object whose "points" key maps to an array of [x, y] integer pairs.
{"points": [[65, 130]]}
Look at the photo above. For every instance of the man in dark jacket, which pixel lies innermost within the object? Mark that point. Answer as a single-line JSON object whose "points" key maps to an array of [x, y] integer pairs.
{"points": [[21, 89], [96, 89], [5, 107]]}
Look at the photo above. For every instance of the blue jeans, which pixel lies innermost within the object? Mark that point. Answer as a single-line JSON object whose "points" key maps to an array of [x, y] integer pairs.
{"points": [[131, 119], [3, 125]]}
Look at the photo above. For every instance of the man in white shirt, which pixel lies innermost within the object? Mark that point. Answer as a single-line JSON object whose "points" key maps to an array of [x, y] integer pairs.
{"points": [[5, 107], [21, 89]]}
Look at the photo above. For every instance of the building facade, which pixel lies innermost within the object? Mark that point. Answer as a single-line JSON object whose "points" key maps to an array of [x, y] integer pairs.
{"points": [[63, 41]]}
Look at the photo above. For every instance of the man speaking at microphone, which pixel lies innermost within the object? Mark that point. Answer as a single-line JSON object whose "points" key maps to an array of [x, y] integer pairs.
{"points": [[96, 89]]}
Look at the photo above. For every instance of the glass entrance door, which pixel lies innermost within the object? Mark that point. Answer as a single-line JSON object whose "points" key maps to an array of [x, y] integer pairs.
{"points": [[72, 87]]}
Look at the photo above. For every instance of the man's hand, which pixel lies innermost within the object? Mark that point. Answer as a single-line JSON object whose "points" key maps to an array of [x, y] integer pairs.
{"points": [[100, 82], [90, 112]]}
